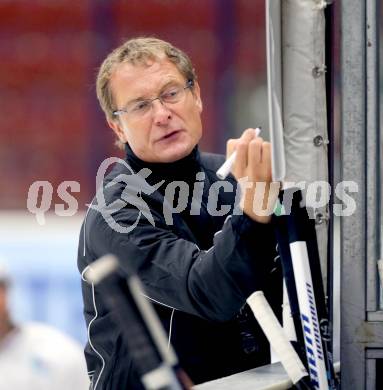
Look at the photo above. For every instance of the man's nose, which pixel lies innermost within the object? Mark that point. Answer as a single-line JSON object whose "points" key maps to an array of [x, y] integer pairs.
{"points": [[161, 112]]}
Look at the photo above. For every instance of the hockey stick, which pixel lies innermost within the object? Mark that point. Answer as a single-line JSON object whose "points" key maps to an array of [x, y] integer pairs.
{"points": [[281, 232], [308, 228], [141, 329], [309, 287], [278, 340]]}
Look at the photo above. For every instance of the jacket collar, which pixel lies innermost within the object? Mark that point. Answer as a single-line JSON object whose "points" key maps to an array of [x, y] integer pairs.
{"points": [[184, 169]]}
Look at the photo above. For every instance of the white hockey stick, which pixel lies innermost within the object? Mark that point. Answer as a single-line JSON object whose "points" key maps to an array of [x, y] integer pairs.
{"points": [[309, 315], [276, 336]]}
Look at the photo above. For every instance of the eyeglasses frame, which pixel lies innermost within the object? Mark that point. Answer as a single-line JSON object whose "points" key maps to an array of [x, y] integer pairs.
{"points": [[189, 85]]}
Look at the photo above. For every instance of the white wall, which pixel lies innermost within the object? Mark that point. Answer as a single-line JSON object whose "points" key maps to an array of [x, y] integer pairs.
{"points": [[42, 262]]}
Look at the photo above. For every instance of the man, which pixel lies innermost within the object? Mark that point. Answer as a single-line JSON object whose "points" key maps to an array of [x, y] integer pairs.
{"points": [[36, 356], [198, 262]]}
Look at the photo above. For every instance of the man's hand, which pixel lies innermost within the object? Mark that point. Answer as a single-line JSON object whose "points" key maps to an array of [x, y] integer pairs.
{"points": [[252, 169]]}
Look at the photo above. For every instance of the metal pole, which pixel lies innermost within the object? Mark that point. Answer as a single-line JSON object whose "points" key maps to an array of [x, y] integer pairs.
{"points": [[353, 155]]}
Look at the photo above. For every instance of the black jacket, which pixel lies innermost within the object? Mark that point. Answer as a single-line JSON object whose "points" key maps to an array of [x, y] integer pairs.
{"points": [[198, 271]]}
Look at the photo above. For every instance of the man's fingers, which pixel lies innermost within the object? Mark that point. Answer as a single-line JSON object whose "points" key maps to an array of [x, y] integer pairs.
{"points": [[242, 147], [260, 160], [266, 153], [266, 161], [240, 164], [248, 135], [255, 153], [230, 147]]}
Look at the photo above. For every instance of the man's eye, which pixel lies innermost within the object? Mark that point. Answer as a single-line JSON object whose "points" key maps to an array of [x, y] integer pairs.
{"points": [[141, 106], [171, 94]]}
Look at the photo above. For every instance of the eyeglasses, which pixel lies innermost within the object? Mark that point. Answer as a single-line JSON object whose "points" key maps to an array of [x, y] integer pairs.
{"points": [[140, 108]]}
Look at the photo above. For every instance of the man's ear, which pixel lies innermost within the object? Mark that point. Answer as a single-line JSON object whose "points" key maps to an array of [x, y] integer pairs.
{"points": [[116, 126], [197, 96]]}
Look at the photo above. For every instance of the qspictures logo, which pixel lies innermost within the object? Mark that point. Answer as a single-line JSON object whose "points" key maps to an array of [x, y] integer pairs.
{"points": [[129, 189], [132, 185]]}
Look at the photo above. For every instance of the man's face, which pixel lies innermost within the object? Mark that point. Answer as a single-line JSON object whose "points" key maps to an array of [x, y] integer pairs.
{"points": [[168, 132]]}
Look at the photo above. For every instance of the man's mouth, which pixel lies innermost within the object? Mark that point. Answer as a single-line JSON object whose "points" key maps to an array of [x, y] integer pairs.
{"points": [[169, 135]]}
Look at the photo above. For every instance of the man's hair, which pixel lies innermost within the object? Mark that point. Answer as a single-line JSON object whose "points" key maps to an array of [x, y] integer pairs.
{"points": [[138, 51]]}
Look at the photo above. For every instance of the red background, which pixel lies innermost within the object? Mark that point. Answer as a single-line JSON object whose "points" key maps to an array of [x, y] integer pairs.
{"points": [[51, 126]]}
